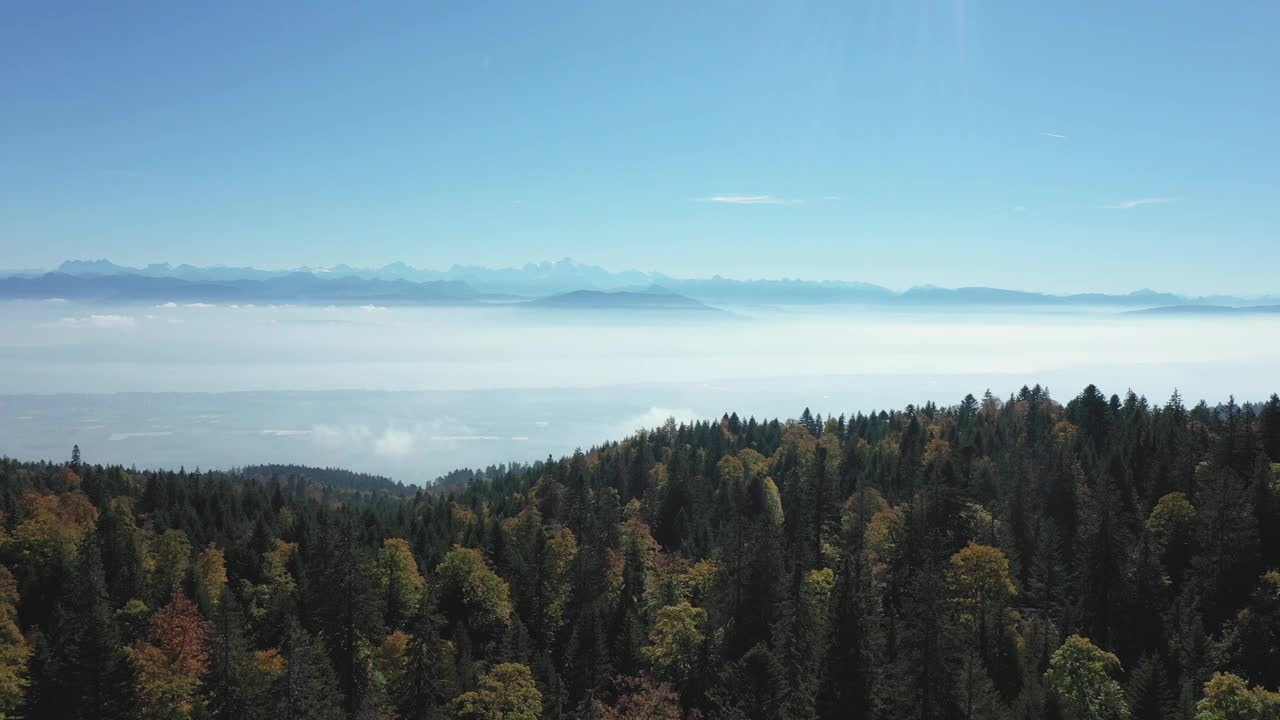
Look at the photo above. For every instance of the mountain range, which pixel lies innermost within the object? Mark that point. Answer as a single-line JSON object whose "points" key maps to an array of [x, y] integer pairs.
{"points": [[559, 284], [654, 298], [1191, 309]]}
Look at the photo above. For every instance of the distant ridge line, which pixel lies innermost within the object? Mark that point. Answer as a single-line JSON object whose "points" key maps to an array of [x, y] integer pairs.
{"points": [[400, 283]]}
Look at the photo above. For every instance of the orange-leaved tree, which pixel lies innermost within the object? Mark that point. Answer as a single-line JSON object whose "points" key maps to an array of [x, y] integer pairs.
{"points": [[171, 660]]}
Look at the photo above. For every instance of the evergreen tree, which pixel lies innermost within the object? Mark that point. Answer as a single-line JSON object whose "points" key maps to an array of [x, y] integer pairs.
{"points": [[427, 685], [236, 686], [349, 612], [307, 688], [1271, 427], [81, 669], [922, 563]]}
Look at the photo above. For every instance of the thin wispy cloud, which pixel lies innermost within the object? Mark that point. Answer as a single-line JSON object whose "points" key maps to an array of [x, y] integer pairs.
{"points": [[104, 322], [748, 200], [1131, 204], [1055, 136]]}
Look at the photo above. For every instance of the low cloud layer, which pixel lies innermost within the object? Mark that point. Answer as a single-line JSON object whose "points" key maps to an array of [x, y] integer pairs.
{"points": [[103, 322]]}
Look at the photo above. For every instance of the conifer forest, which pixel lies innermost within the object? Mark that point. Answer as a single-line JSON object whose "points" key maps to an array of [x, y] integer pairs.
{"points": [[1033, 556]]}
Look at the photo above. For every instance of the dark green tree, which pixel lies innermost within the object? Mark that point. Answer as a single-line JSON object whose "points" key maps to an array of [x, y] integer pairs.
{"points": [[307, 688]]}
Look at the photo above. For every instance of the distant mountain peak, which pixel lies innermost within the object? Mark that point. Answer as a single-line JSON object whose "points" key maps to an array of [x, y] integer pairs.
{"points": [[619, 300], [101, 266], [550, 277]]}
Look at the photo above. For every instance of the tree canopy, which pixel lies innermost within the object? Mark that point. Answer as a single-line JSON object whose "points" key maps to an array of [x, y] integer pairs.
{"points": [[1106, 557]]}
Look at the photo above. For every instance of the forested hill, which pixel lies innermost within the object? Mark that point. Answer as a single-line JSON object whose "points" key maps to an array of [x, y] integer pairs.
{"points": [[1105, 558], [333, 477]]}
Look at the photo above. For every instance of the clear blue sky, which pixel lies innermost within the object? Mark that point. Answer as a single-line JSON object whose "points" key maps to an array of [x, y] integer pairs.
{"points": [[1058, 146]]}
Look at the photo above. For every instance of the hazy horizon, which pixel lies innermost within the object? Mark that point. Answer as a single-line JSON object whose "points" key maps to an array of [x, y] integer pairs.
{"points": [[655, 274], [412, 392]]}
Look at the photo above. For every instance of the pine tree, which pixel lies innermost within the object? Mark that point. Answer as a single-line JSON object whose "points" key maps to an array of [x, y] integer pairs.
{"points": [[1148, 693], [848, 676], [350, 611], [1270, 421], [1102, 577], [1228, 537], [307, 689], [81, 670], [428, 684], [236, 686]]}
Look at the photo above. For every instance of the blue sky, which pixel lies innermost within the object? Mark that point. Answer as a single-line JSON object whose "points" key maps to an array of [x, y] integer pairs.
{"points": [[1058, 146]]}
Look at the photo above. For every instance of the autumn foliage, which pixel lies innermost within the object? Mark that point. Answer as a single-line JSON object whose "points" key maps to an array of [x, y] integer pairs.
{"points": [[1105, 557], [172, 660]]}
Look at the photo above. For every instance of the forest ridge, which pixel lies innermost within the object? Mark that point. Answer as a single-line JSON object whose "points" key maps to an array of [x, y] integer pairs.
{"points": [[1021, 558]]}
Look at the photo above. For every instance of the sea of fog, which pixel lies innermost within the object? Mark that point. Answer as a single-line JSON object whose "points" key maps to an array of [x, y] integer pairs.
{"points": [[414, 392]]}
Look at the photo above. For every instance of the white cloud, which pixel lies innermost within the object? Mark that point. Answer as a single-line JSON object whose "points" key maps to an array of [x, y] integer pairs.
{"points": [[391, 441], [129, 435], [340, 437], [1130, 204], [394, 443], [112, 321], [746, 200], [1055, 136], [655, 417], [169, 304], [198, 305], [102, 322]]}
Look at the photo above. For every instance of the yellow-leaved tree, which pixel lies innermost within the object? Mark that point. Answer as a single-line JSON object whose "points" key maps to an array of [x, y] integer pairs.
{"points": [[211, 575], [676, 641], [471, 592], [1229, 697], [14, 650], [980, 588], [401, 582], [506, 692], [1080, 674]]}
